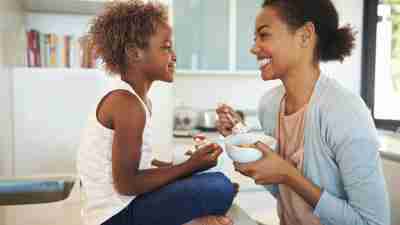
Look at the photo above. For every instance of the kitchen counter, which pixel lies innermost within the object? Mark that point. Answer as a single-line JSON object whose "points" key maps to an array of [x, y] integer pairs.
{"points": [[390, 143], [33, 190]]}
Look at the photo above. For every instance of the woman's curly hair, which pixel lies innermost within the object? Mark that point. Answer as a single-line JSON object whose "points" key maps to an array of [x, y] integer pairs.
{"points": [[122, 25]]}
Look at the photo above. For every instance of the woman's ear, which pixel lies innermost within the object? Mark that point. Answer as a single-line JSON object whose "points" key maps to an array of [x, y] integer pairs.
{"points": [[307, 34]]}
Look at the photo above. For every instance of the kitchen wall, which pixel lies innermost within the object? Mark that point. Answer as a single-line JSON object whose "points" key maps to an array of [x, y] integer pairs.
{"points": [[11, 32], [244, 90], [11, 54]]}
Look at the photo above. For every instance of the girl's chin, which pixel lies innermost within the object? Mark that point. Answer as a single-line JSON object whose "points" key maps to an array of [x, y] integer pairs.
{"points": [[169, 77]]}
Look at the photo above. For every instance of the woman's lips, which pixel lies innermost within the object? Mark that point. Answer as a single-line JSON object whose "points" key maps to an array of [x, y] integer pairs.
{"points": [[263, 62]]}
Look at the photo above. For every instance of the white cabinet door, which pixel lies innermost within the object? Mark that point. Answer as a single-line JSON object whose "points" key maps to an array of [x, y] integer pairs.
{"points": [[50, 109]]}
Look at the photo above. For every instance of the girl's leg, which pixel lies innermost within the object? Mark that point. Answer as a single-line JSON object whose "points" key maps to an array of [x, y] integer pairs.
{"points": [[180, 202], [211, 220]]}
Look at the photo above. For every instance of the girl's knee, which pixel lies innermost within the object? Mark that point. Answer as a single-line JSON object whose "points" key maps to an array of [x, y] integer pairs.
{"points": [[217, 189]]}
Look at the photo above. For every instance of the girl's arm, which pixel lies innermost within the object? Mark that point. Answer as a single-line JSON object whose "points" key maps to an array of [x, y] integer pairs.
{"points": [[128, 121]]}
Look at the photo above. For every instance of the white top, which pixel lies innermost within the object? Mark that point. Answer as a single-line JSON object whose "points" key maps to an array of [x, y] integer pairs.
{"points": [[94, 165]]}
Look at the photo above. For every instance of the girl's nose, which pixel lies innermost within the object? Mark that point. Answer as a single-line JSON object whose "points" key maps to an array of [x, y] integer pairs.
{"points": [[174, 57]]}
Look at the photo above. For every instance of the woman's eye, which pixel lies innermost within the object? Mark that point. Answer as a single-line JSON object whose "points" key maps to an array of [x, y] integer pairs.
{"points": [[263, 35]]}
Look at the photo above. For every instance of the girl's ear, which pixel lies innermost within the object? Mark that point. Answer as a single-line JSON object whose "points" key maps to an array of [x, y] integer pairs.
{"points": [[134, 53]]}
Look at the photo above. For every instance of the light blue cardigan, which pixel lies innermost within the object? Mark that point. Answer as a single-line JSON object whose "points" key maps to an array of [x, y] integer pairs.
{"points": [[341, 154]]}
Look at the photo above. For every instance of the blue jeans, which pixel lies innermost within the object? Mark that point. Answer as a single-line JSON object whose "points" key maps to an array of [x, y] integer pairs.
{"points": [[179, 202]]}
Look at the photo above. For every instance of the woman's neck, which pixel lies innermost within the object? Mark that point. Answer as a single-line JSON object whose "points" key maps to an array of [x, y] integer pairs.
{"points": [[299, 86]]}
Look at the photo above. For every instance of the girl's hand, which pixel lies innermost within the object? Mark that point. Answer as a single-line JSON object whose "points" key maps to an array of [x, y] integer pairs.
{"points": [[270, 169], [227, 119], [205, 157], [159, 164]]}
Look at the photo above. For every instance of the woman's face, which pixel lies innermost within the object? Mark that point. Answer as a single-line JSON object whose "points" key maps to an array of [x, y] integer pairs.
{"points": [[276, 46], [160, 58]]}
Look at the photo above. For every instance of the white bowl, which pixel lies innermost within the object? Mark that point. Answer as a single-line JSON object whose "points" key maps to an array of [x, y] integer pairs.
{"points": [[244, 154]]}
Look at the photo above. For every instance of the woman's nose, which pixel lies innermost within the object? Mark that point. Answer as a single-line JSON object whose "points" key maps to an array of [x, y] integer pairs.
{"points": [[254, 50]]}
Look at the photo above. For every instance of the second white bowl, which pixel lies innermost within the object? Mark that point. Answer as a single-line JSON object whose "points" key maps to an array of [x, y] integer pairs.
{"points": [[246, 154]]}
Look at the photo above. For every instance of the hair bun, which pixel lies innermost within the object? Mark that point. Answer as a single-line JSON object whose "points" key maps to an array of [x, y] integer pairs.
{"points": [[338, 45]]}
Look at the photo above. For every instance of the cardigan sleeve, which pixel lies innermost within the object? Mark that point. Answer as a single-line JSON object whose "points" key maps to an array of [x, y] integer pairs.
{"points": [[349, 131]]}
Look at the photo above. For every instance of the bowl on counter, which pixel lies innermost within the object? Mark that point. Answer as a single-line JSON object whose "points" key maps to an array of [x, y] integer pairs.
{"points": [[240, 148]]}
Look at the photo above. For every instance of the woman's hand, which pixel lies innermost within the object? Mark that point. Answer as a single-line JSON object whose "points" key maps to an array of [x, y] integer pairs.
{"points": [[227, 119], [270, 169], [205, 157]]}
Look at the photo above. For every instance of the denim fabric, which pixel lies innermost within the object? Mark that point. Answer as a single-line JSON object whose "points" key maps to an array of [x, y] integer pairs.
{"points": [[179, 202]]}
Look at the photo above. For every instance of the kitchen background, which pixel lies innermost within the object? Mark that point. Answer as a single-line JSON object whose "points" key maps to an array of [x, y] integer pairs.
{"points": [[43, 109]]}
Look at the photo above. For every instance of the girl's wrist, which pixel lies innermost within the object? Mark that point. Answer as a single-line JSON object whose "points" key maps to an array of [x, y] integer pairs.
{"points": [[189, 166]]}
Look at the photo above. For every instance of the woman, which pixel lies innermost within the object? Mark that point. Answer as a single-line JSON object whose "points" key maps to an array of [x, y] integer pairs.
{"points": [[326, 169]]}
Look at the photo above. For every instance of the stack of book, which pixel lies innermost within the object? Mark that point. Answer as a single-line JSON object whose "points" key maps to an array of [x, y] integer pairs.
{"points": [[51, 50]]}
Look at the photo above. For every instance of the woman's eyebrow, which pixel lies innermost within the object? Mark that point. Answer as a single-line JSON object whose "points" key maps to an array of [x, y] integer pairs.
{"points": [[260, 28]]}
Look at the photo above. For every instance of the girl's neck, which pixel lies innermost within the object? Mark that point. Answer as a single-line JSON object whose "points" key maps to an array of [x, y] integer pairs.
{"points": [[138, 83], [299, 86]]}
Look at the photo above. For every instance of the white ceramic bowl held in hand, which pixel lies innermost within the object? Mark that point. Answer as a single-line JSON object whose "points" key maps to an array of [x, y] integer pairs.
{"points": [[246, 154]]}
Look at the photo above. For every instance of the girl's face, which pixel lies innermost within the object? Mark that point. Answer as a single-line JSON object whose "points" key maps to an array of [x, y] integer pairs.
{"points": [[276, 47], [159, 59]]}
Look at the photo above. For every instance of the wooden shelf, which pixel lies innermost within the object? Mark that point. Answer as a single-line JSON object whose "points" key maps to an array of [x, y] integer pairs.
{"points": [[59, 72], [85, 7]]}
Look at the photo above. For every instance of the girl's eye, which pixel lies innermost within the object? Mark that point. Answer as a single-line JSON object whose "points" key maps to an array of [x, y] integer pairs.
{"points": [[167, 48]]}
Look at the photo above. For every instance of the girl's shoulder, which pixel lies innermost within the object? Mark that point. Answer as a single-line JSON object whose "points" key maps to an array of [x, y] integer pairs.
{"points": [[119, 105]]}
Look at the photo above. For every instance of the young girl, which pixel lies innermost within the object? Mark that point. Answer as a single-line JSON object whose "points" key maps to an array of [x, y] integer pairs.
{"points": [[327, 168], [134, 40]]}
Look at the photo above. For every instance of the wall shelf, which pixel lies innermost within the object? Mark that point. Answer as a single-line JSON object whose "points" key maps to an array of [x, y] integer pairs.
{"points": [[85, 7]]}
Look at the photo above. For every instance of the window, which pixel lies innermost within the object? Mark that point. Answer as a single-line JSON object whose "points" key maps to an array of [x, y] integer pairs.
{"points": [[246, 12], [381, 61], [214, 35]]}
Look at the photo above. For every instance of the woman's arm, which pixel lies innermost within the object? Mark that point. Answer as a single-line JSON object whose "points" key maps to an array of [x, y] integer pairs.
{"points": [[351, 136], [363, 180], [303, 187], [273, 169]]}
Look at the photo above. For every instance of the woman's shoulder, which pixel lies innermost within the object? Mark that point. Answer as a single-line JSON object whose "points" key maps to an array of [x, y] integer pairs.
{"points": [[268, 107], [342, 114], [332, 97], [271, 98]]}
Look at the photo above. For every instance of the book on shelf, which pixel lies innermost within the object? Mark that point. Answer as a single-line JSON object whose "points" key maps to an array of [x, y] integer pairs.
{"points": [[33, 50], [52, 50]]}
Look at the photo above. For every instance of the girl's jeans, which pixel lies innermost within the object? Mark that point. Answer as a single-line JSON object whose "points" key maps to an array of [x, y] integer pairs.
{"points": [[179, 202]]}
